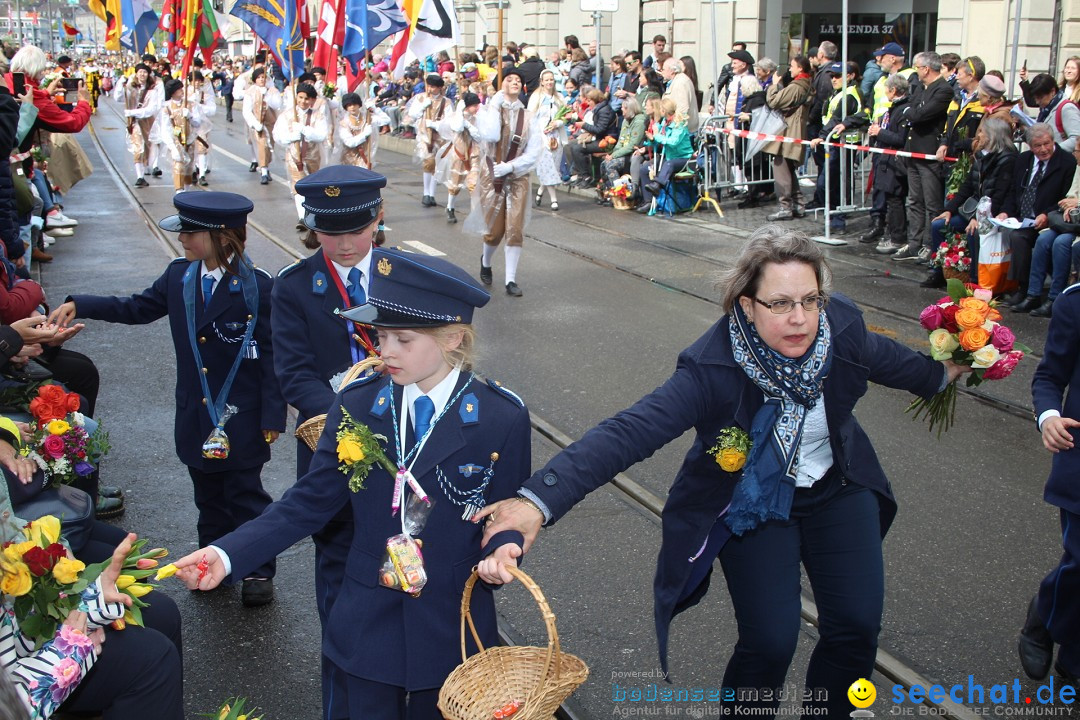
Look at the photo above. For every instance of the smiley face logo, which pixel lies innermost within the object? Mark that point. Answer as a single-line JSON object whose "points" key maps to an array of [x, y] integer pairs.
{"points": [[862, 693]]}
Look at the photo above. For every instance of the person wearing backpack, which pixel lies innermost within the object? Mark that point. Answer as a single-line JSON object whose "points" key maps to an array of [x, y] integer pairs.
{"points": [[1056, 110]]}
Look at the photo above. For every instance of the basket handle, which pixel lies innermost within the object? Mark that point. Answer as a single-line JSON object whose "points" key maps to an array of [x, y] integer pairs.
{"points": [[553, 651], [354, 372]]}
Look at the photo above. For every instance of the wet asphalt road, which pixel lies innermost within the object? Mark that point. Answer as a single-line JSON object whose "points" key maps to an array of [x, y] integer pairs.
{"points": [[610, 299]]}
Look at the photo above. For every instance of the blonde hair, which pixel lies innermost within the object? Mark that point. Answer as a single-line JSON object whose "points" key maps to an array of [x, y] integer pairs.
{"points": [[771, 244], [461, 357]]}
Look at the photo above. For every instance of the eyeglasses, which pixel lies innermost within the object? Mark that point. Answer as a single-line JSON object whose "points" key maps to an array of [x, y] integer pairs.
{"points": [[783, 307]]}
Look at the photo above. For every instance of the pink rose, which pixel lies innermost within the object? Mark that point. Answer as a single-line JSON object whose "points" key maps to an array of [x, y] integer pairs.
{"points": [[932, 317], [53, 446], [984, 294], [1004, 367], [1002, 338]]}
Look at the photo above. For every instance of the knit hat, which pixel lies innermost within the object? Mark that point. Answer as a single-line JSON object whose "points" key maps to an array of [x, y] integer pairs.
{"points": [[992, 86]]}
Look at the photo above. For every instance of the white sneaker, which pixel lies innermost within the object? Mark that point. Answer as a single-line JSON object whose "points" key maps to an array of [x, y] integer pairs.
{"points": [[59, 220], [60, 232], [47, 241]]}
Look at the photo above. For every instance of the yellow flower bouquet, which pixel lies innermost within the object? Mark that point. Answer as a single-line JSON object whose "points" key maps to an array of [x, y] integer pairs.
{"points": [[233, 709], [358, 448], [731, 449]]}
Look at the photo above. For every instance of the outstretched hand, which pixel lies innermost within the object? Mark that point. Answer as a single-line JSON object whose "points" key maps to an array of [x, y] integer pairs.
{"points": [[201, 570]]}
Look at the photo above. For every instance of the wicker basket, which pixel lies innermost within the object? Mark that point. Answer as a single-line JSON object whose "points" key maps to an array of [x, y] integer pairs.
{"points": [[954, 274], [621, 203], [539, 678], [310, 430]]}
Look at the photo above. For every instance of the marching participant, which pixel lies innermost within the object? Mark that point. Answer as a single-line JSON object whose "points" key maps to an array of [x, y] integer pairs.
{"points": [[510, 148], [329, 99], [312, 345], [240, 87], [177, 120], [458, 162], [142, 96], [301, 130], [261, 105], [229, 407], [428, 111], [357, 130], [396, 649], [201, 97]]}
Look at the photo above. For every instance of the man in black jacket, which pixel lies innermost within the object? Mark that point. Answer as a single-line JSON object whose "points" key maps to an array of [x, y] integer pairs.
{"points": [[1042, 177], [823, 90], [926, 192], [530, 69]]}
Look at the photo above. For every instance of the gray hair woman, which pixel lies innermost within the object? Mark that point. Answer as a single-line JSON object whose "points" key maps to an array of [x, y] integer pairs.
{"points": [[618, 162], [763, 69], [779, 374]]}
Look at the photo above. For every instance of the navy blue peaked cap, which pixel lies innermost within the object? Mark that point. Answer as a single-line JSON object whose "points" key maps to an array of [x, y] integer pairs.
{"points": [[341, 198], [198, 211]]}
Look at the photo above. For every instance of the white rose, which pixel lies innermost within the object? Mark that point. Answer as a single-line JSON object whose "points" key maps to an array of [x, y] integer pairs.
{"points": [[942, 344], [985, 357]]}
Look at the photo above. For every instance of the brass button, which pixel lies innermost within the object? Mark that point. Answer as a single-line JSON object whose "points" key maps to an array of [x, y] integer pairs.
{"points": [[202, 340], [204, 401], [204, 372], [249, 318]]}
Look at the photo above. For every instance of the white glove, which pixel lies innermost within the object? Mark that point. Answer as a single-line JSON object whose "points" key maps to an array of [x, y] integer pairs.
{"points": [[369, 104], [305, 131], [497, 101], [186, 112], [129, 113], [175, 154], [502, 169], [259, 128]]}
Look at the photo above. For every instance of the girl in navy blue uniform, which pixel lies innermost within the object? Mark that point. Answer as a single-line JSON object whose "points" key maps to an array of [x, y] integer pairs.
{"points": [[395, 649], [218, 306]]}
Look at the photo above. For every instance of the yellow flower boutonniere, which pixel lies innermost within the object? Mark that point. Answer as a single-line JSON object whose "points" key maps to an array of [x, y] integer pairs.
{"points": [[358, 448], [731, 449]]}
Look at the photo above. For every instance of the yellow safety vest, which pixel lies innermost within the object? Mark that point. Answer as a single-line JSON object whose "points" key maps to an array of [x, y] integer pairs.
{"points": [[881, 100]]}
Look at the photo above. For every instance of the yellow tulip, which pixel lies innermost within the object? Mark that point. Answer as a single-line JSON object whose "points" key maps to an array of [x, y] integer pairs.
{"points": [[225, 710], [349, 451], [165, 572], [129, 619], [17, 580], [139, 589], [67, 571], [57, 427], [44, 531], [124, 581]]}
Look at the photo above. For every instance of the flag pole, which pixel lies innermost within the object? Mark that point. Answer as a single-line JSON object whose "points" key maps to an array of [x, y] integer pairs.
{"points": [[498, 50]]}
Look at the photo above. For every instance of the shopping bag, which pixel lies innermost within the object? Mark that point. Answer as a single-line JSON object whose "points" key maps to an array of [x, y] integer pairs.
{"points": [[763, 120], [995, 254]]}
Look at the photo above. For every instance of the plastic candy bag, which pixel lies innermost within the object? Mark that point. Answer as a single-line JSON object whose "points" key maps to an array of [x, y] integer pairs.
{"points": [[403, 563], [216, 446]]}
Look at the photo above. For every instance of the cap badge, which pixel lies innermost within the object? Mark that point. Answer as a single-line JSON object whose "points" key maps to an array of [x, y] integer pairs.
{"points": [[332, 190], [384, 267]]}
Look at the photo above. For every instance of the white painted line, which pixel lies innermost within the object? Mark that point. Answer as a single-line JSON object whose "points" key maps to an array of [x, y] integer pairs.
{"points": [[247, 163], [424, 248], [828, 241]]}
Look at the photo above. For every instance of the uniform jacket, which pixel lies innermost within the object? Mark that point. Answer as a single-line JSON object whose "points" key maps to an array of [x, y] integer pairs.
{"points": [[410, 642], [710, 392], [1057, 371], [219, 330], [1055, 183]]}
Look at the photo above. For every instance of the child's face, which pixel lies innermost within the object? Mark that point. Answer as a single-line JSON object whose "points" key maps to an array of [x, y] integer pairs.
{"points": [[196, 244], [414, 357], [348, 249]]}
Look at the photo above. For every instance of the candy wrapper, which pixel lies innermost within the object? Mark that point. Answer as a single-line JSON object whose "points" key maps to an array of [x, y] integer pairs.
{"points": [[403, 563], [216, 446]]}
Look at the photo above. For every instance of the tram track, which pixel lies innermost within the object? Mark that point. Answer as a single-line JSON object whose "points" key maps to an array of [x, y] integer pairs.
{"points": [[888, 665]]}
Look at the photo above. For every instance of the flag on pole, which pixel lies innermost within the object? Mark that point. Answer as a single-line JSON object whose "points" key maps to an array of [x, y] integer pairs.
{"points": [[196, 28], [329, 38], [433, 26], [70, 30], [368, 23], [110, 13], [277, 25], [167, 24], [139, 23]]}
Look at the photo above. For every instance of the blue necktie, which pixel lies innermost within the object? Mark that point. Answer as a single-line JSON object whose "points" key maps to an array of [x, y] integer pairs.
{"points": [[356, 290], [423, 409], [207, 290]]}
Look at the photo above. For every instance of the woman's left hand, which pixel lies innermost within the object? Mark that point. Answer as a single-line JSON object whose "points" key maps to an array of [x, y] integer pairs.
{"points": [[954, 371], [109, 575]]}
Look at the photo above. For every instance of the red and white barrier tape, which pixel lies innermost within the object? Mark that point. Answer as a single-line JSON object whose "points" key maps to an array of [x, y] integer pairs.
{"points": [[750, 135], [19, 157]]}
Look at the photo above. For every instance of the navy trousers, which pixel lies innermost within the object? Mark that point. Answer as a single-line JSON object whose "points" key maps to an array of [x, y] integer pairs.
{"points": [[377, 701], [331, 553], [834, 531], [226, 500], [1059, 597]]}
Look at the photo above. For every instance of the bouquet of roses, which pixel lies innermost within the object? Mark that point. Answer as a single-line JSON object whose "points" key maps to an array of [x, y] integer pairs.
{"points": [[952, 255], [62, 445], [47, 584], [329, 90], [358, 449], [965, 327]]}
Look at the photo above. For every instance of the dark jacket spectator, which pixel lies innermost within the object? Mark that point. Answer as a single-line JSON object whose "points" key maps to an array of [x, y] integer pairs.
{"points": [[581, 71], [890, 175], [927, 116], [604, 123], [530, 69], [1053, 186], [991, 176]]}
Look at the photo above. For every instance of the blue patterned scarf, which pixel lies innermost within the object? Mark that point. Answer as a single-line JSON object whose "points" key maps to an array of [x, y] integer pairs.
{"points": [[791, 388]]}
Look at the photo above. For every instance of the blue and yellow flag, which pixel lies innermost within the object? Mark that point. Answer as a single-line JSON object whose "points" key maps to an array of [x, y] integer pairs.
{"points": [[277, 23]]}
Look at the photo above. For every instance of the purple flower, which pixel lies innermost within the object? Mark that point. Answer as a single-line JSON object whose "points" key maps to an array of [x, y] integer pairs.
{"points": [[70, 641], [1002, 338], [67, 674], [932, 317], [83, 468]]}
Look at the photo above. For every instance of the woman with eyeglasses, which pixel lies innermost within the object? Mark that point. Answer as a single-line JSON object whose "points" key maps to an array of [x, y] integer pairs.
{"points": [[783, 368]]}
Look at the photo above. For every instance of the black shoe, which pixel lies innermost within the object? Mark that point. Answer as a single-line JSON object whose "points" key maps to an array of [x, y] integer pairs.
{"points": [[653, 187], [1027, 304], [1014, 298], [643, 208], [265, 179], [1035, 645], [934, 279], [450, 216], [108, 508], [798, 212], [110, 491], [1044, 310], [228, 118], [202, 181], [156, 172], [141, 182], [750, 202], [253, 167], [876, 231], [512, 289], [256, 592], [539, 197], [814, 206], [485, 275]]}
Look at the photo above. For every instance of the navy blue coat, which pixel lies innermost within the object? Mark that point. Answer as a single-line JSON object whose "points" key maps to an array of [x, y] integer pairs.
{"points": [[220, 328], [1060, 369], [710, 392], [378, 633]]}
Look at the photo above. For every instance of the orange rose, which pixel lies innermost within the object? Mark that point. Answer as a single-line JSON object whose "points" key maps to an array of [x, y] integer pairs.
{"points": [[974, 338], [994, 315], [51, 394], [71, 402], [969, 318], [975, 304]]}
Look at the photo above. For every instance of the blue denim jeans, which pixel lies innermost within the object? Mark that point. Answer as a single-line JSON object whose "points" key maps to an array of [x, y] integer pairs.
{"points": [[43, 189], [1053, 251]]}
